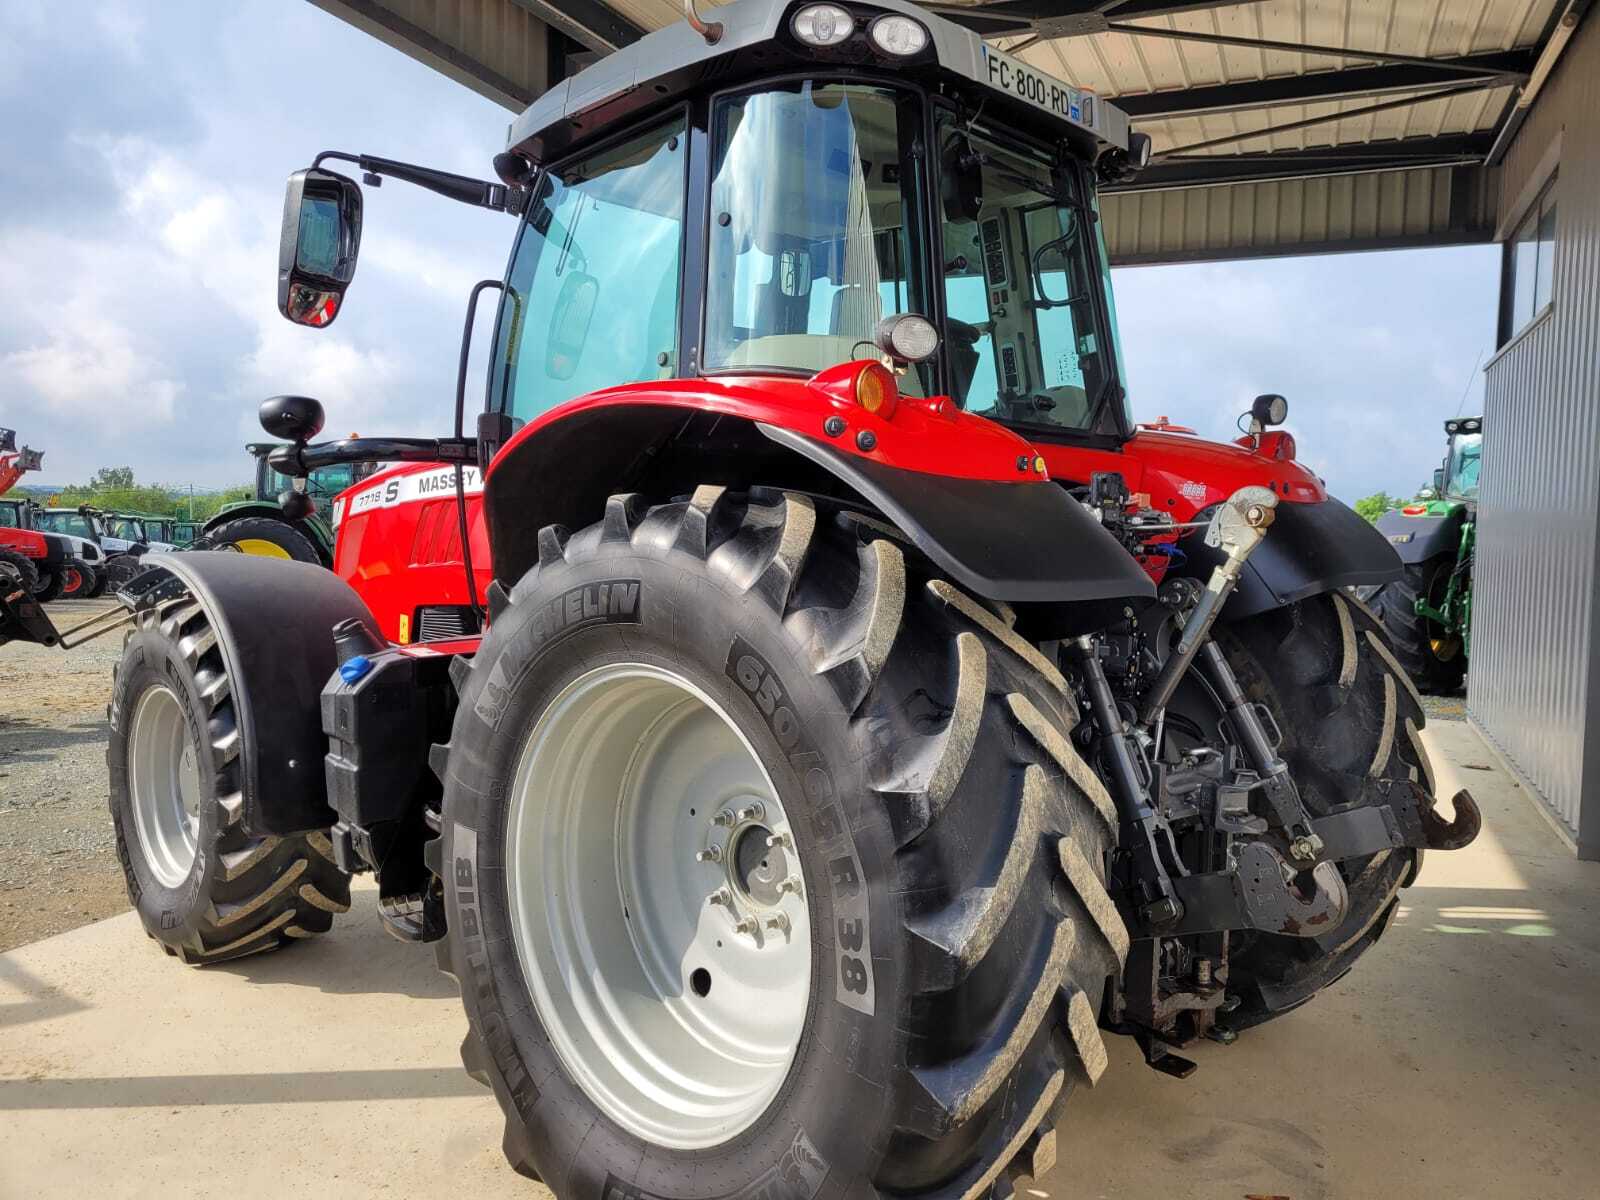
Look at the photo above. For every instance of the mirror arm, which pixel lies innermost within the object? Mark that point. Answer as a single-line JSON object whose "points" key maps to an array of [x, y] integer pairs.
{"points": [[299, 461], [478, 192]]}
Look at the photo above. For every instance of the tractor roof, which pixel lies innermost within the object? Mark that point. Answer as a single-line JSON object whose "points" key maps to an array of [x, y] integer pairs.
{"points": [[672, 61]]}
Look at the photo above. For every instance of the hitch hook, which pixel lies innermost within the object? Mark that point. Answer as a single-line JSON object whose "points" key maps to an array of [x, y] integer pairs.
{"points": [[1449, 835]]}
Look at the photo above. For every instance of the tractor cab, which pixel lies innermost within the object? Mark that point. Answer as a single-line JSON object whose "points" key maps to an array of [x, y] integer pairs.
{"points": [[801, 180], [1457, 480]]}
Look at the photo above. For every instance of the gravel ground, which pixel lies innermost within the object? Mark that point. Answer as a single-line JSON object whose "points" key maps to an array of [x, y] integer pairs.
{"points": [[58, 863], [1446, 708]]}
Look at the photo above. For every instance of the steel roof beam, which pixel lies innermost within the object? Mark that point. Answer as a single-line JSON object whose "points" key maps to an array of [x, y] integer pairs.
{"points": [[1332, 118], [1495, 69], [1066, 18], [1442, 65], [1403, 154], [590, 23]]}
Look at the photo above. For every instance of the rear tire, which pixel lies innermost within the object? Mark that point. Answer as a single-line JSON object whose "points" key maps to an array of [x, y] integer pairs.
{"points": [[50, 582], [1351, 724], [262, 536], [18, 569], [1413, 637], [98, 587], [203, 887], [951, 842]]}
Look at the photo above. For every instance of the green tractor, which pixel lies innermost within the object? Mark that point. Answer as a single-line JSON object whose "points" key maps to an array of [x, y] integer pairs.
{"points": [[1428, 610], [261, 526], [169, 529]]}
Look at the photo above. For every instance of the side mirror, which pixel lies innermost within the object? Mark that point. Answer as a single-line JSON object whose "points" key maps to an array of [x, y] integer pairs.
{"points": [[1438, 481], [318, 245], [569, 324], [295, 419]]}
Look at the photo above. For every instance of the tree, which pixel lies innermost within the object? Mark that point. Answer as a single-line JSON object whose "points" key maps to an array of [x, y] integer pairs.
{"points": [[108, 478], [1374, 506]]}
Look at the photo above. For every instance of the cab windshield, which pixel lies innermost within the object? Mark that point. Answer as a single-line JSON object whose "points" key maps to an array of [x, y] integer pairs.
{"points": [[126, 528], [10, 514], [814, 200], [1461, 472], [72, 523], [1022, 281]]}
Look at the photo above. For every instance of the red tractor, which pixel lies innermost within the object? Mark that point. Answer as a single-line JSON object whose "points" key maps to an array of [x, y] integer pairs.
{"points": [[41, 565], [804, 715]]}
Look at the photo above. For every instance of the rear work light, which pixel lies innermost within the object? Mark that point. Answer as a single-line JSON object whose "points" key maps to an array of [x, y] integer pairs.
{"points": [[822, 25], [898, 35]]}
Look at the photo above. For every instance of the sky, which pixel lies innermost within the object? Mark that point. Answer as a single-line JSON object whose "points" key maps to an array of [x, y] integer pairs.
{"points": [[142, 188]]}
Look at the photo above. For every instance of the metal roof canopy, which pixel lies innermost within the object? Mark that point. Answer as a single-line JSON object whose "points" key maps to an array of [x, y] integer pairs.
{"points": [[1279, 126]]}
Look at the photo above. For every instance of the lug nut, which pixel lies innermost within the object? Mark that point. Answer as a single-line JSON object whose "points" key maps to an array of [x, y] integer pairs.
{"points": [[791, 884], [779, 924], [752, 812], [779, 841], [710, 854], [724, 818], [745, 925], [721, 896]]}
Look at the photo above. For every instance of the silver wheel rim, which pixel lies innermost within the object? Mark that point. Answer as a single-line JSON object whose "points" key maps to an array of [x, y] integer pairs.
{"points": [[657, 906], [164, 776]]}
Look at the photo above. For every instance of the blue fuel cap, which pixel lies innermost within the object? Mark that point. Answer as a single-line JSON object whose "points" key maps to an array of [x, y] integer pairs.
{"points": [[353, 669]]}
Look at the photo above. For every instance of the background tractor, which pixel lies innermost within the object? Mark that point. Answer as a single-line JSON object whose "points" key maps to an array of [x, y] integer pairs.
{"points": [[817, 777], [264, 526], [120, 555], [1428, 611], [50, 566]]}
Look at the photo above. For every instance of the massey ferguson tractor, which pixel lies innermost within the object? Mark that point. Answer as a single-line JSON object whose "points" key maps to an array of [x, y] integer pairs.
{"points": [[857, 720], [1428, 610]]}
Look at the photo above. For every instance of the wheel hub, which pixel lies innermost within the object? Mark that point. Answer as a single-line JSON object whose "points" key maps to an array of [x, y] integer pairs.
{"points": [[658, 906], [164, 779]]}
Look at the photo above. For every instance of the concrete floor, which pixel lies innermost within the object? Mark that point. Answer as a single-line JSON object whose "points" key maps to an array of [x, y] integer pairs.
{"points": [[1458, 1060]]}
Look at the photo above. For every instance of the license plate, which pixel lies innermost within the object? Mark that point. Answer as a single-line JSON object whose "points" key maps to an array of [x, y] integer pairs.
{"points": [[1017, 78]]}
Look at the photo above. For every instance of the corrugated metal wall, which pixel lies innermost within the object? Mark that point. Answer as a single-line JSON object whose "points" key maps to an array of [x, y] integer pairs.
{"points": [[1535, 685], [1382, 209]]}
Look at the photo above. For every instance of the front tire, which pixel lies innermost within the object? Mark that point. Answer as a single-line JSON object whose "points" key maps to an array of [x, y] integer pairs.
{"points": [[203, 887], [1434, 657], [948, 841], [77, 579]]}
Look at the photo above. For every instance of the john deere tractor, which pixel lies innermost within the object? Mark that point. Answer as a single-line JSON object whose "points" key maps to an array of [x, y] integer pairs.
{"points": [[281, 522], [1428, 610]]}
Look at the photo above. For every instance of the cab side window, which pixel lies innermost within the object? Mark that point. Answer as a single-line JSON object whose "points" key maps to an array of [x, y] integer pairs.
{"points": [[592, 297]]}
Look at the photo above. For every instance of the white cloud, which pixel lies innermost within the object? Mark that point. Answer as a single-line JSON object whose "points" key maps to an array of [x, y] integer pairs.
{"points": [[90, 368]]}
